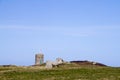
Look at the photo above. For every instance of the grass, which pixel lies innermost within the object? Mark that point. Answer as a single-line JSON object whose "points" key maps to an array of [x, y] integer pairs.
{"points": [[64, 72]]}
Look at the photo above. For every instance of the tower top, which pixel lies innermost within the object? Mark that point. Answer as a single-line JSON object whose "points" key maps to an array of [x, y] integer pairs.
{"points": [[39, 54]]}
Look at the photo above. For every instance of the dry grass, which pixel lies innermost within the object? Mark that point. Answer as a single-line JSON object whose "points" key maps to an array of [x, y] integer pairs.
{"points": [[64, 72]]}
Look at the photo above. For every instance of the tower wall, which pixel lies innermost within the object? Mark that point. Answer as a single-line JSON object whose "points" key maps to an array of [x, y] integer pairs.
{"points": [[39, 59]]}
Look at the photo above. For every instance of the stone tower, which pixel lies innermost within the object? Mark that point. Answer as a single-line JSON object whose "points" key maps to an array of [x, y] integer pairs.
{"points": [[39, 59]]}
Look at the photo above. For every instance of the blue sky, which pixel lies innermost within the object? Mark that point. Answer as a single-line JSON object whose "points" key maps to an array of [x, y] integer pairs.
{"points": [[70, 29]]}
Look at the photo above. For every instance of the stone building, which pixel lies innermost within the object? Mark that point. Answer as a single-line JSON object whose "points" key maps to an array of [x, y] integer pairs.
{"points": [[51, 64], [39, 59]]}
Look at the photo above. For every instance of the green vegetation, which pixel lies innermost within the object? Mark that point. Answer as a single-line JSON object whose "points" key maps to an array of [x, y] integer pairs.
{"points": [[64, 72]]}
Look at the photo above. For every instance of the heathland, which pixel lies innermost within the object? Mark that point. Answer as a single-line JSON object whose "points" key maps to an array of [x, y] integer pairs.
{"points": [[70, 71]]}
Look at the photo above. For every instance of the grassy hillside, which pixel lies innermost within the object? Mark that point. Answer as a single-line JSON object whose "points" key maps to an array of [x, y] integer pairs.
{"points": [[64, 72]]}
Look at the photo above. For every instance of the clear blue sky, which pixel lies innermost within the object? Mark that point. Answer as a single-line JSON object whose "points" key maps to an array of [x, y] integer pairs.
{"points": [[70, 29]]}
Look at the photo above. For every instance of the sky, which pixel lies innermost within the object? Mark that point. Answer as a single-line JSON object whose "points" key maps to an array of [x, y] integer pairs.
{"points": [[69, 29]]}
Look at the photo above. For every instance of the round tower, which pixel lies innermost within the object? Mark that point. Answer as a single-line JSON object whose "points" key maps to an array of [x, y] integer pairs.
{"points": [[39, 59]]}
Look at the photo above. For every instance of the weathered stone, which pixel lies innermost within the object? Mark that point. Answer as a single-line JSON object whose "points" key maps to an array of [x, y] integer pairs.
{"points": [[39, 59], [48, 65], [51, 64]]}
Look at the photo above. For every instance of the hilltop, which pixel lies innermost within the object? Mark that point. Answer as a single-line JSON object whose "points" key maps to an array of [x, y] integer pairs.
{"points": [[75, 70]]}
